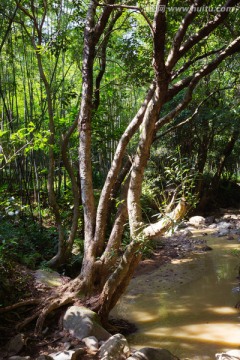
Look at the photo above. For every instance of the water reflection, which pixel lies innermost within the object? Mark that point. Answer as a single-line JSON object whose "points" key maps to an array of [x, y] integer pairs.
{"points": [[187, 307]]}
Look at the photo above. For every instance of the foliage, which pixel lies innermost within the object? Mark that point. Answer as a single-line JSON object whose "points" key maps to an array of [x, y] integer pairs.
{"points": [[15, 282], [235, 252], [25, 241], [168, 177], [22, 239]]}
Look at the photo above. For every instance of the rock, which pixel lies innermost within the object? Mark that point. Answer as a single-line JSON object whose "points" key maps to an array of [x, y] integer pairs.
{"points": [[231, 216], [15, 344], [224, 225], [91, 343], [223, 232], [206, 248], [209, 220], [82, 322], [67, 354], [67, 345], [99, 332], [212, 226], [197, 221], [186, 233], [235, 290], [115, 348], [229, 355], [44, 357], [48, 277], [182, 225], [152, 354], [186, 247]]}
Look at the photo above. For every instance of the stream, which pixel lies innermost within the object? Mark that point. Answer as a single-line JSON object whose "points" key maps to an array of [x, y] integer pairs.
{"points": [[187, 306]]}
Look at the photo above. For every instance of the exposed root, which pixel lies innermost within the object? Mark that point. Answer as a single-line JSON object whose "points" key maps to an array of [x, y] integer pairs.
{"points": [[67, 294], [49, 308], [20, 304], [42, 312], [4, 328], [27, 320]]}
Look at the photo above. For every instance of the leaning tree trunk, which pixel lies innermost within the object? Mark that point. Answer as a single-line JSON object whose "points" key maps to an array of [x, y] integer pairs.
{"points": [[119, 280]]}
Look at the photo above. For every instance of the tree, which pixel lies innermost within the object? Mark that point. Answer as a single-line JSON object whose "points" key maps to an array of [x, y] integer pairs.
{"points": [[179, 65]]}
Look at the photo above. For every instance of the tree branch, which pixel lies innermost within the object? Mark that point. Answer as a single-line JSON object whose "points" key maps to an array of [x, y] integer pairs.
{"points": [[160, 227], [159, 39], [102, 211], [206, 30], [103, 20], [190, 117], [103, 59], [129, 7], [9, 26], [190, 16], [191, 62], [233, 47]]}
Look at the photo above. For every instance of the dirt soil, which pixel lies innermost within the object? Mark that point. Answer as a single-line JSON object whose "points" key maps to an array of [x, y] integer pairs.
{"points": [[169, 248]]}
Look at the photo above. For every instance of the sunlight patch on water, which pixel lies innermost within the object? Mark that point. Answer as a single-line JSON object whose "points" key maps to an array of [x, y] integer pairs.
{"points": [[195, 341], [209, 333], [222, 310]]}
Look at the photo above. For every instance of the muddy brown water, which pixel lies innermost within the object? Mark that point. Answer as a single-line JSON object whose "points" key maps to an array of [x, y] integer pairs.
{"points": [[187, 306]]}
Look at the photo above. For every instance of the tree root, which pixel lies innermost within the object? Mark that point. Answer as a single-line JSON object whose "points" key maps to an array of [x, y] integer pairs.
{"points": [[20, 304], [27, 320], [49, 308], [42, 311], [67, 294]]}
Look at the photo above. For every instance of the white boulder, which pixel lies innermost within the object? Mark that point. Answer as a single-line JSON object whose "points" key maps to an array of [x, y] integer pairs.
{"points": [[197, 221], [115, 348]]}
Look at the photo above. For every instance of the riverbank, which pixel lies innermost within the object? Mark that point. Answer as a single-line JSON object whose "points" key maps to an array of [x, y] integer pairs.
{"points": [[172, 255]]}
